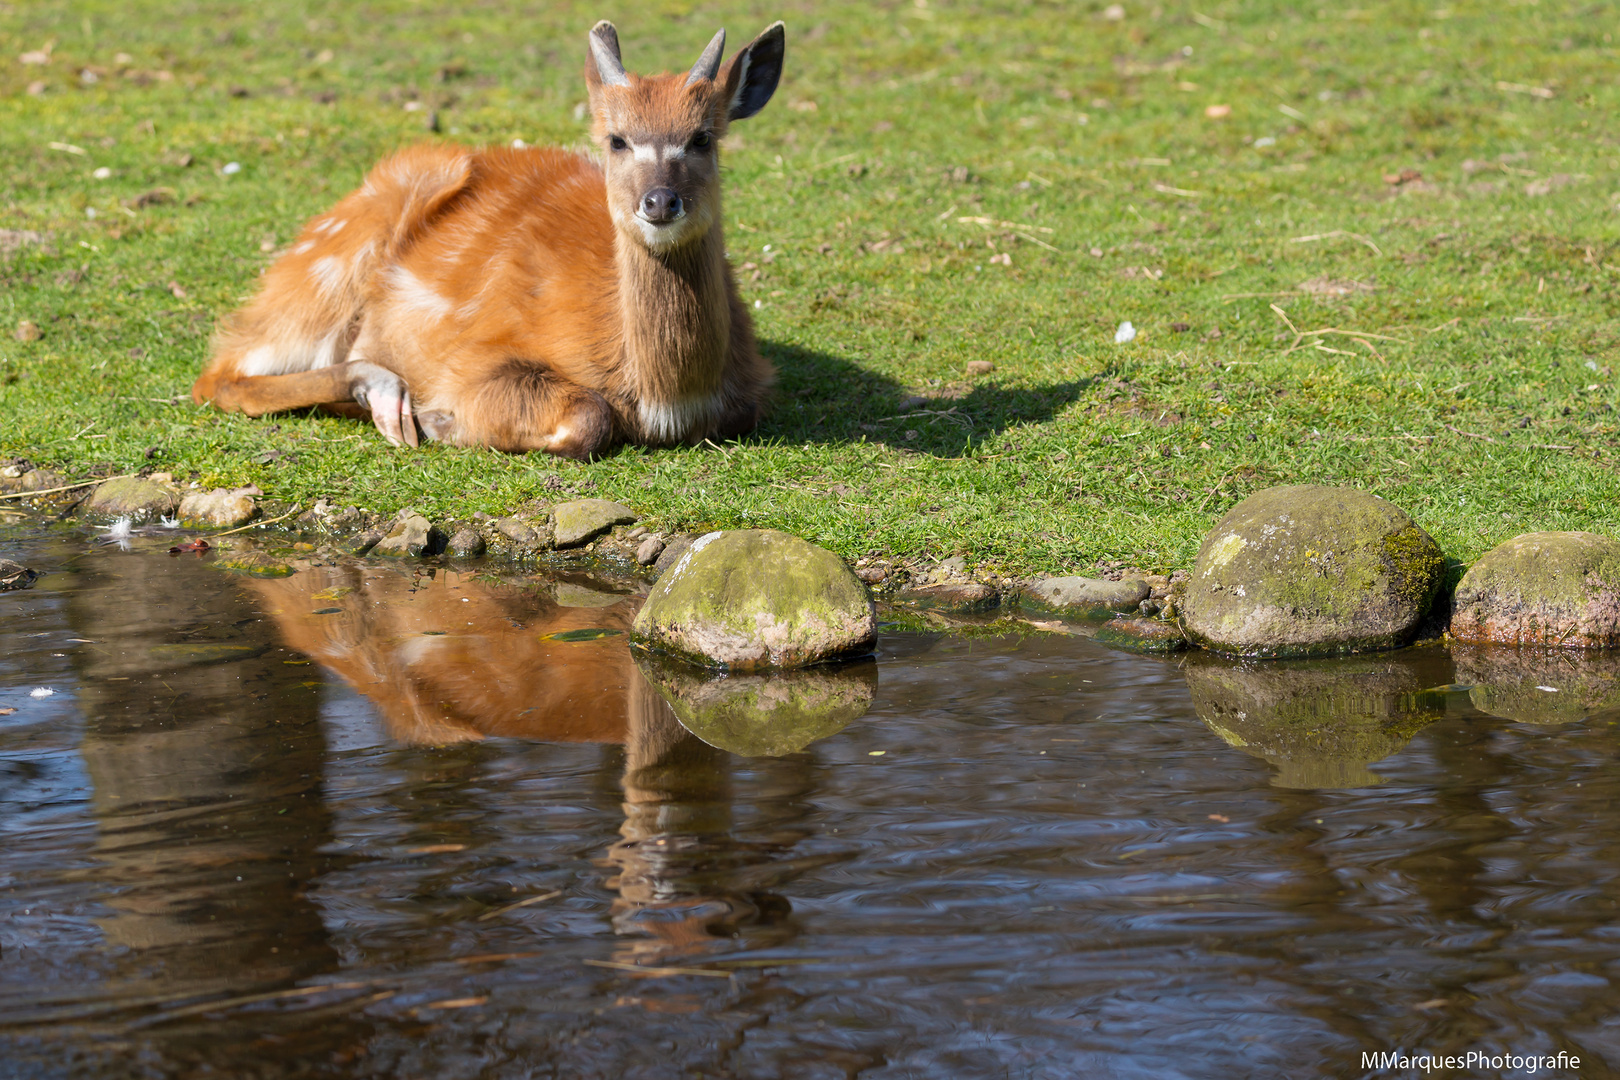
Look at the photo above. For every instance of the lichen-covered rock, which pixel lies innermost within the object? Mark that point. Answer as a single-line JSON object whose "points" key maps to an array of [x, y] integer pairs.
{"points": [[1539, 685], [758, 598], [581, 521], [15, 576], [968, 597], [465, 544], [410, 537], [1083, 597], [1320, 722], [764, 715], [130, 497], [1548, 588], [1308, 570], [217, 509], [1142, 635]]}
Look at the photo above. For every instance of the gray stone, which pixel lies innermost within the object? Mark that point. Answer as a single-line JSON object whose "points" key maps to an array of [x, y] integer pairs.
{"points": [[465, 544], [217, 509], [1083, 597], [130, 497], [1539, 685], [959, 596], [363, 542], [516, 531], [650, 549], [757, 598], [583, 520], [1320, 722], [1308, 570], [41, 480], [764, 715], [15, 576], [674, 548], [1549, 588], [411, 537]]}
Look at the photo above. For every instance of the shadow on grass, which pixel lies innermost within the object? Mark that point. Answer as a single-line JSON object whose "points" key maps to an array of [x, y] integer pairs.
{"points": [[822, 398]]}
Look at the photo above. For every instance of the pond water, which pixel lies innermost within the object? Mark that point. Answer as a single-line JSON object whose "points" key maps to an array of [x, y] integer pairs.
{"points": [[375, 822]]}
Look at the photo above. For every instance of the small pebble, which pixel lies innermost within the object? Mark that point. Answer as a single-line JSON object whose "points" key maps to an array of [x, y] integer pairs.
{"points": [[27, 331], [650, 549], [980, 367]]}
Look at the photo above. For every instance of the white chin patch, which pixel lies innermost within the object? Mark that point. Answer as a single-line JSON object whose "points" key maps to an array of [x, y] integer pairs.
{"points": [[662, 236]]}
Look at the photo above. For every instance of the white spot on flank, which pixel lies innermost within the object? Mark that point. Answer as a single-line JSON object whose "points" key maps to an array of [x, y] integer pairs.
{"points": [[671, 421], [337, 226], [329, 273], [306, 246], [261, 361], [411, 293]]}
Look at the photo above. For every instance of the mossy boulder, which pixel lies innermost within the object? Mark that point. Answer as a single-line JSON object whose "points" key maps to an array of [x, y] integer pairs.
{"points": [[1320, 722], [756, 599], [1547, 588], [764, 715], [1308, 570], [583, 520], [1539, 685], [141, 501]]}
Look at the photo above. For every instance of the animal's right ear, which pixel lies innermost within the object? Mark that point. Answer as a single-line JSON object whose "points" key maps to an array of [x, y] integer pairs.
{"points": [[750, 79], [603, 66]]}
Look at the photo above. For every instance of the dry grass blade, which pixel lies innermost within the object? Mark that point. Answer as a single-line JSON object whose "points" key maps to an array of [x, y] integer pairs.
{"points": [[521, 903], [1334, 235], [255, 524], [66, 487]]}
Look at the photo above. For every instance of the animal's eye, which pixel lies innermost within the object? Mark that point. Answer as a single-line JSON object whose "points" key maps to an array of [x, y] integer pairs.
{"points": [[702, 140], [618, 143]]}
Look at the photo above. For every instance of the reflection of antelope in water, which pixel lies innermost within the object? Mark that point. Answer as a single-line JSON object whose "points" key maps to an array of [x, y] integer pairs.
{"points": [[454, 657]]}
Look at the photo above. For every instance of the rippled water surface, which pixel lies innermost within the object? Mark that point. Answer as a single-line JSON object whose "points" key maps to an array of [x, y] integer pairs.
{"points": [[361, 821]]}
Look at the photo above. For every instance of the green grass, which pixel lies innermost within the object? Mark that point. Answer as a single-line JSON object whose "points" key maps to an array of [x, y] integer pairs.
{"points": [[1491, 413]]}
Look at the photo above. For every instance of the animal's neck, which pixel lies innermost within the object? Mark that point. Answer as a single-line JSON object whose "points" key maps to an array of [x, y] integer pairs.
{"points": [[677, 317]]}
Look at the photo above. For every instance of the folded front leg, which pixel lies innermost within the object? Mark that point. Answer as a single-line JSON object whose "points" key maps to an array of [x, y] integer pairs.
{"points": [[369, 385]]}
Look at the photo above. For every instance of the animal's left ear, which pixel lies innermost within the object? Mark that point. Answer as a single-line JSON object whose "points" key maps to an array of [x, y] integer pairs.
{"points": [[751, 76]]}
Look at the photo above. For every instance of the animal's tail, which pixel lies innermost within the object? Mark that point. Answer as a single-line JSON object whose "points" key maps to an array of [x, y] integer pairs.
{"points": [[307, 311]]}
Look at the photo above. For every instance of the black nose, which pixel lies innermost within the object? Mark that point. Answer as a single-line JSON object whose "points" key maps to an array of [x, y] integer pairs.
{"points": [[661, 205]]}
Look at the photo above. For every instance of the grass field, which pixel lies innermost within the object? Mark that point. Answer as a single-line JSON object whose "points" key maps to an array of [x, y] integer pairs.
{"points": [[935, 183]]}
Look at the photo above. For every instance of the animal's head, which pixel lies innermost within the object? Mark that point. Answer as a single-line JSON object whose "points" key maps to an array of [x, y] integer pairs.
{"points": [[660, 135]]}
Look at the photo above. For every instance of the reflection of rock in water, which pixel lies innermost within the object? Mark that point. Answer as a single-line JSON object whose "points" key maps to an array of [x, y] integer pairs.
{"points": [[765, 715], [1320, 722], [1539, 686], [685, 884]]}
